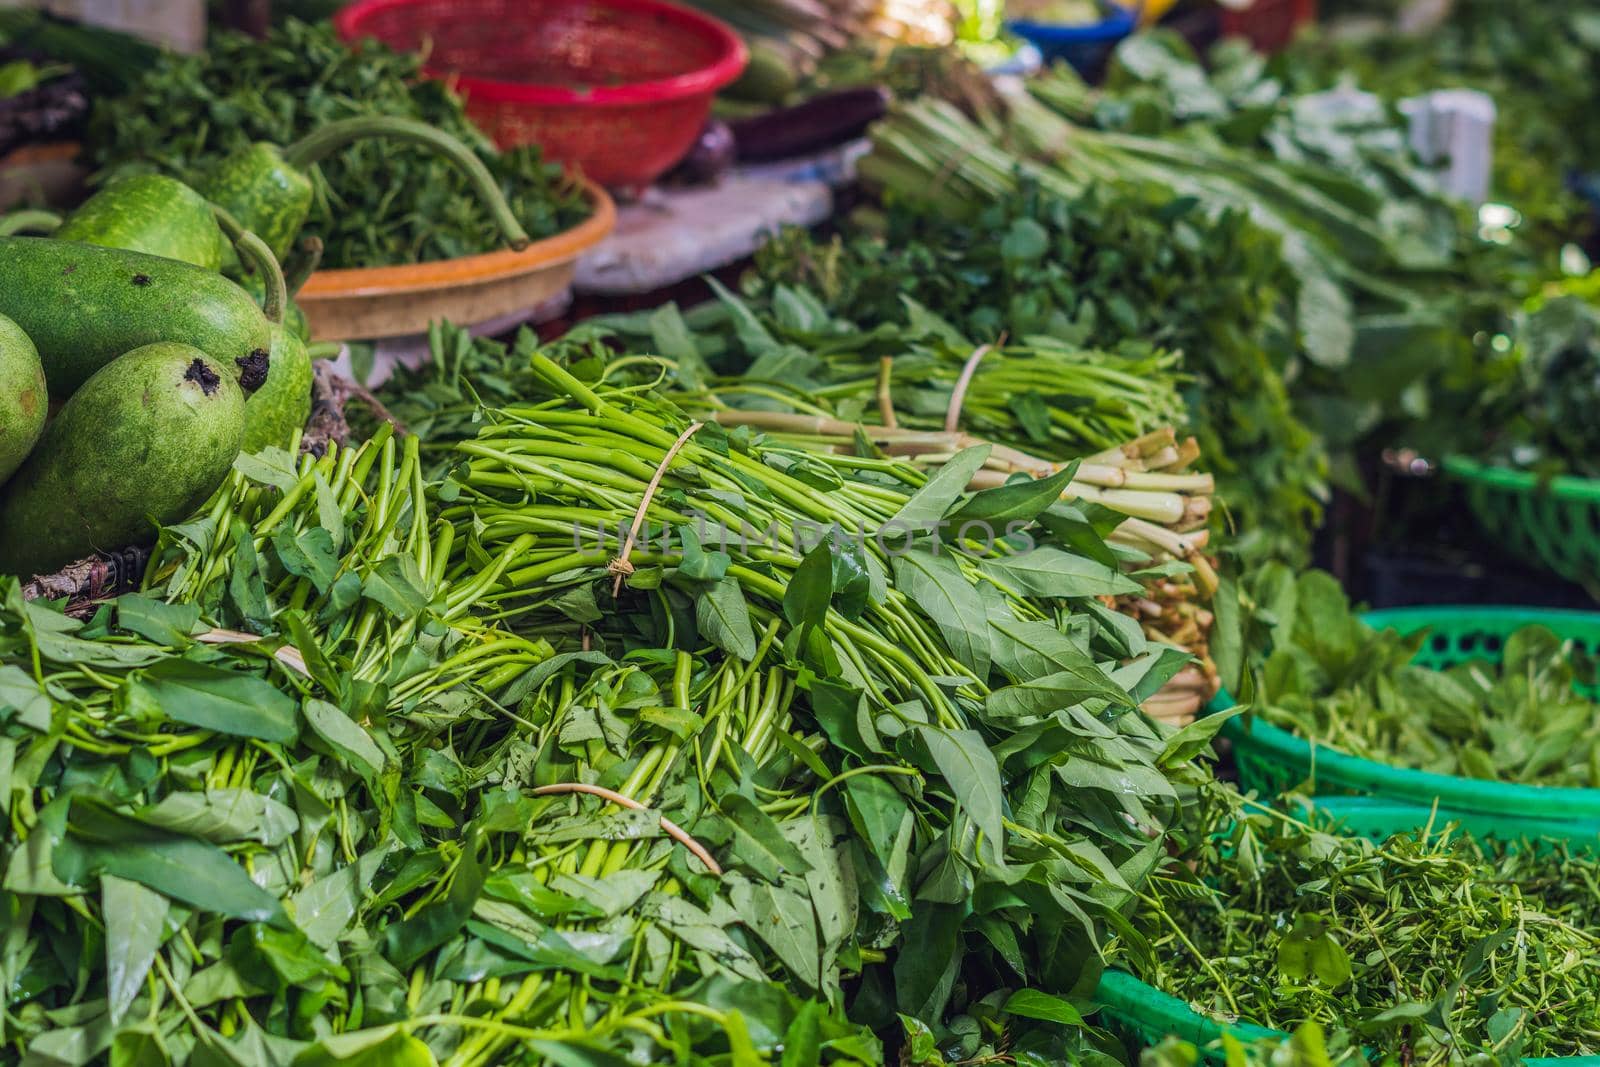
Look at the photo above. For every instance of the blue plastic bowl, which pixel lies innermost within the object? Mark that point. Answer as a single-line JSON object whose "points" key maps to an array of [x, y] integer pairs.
{"points": [[1086, 47]]}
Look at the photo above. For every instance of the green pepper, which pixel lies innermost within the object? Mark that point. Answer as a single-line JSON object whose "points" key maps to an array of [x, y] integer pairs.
{"points": [[270, 190]]}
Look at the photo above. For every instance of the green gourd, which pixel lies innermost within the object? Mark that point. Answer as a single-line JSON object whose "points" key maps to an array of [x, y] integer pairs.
{"points": [[24, 399], [145, 440], [149, 213], [84, 305]]}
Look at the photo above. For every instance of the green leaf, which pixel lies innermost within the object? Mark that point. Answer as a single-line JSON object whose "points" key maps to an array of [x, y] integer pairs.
{"points": [[345, 737], [1043, 697], [970, 772], [21, 693], [698, 930], [383, 1046], [724, 618], [223, 816], [1195, 738], [1025, 241], [1048, 571], [406, 942], [1028, 650], [247, 590], [947, 485], [155, 620], [1032, 1004], [101, 841], [398, 585], [806, 600], [308, 554], [1309, 950], [324, 909], [802, 1042], [751, 333], [1019, 501], [611, 895], [212, 698], [135, 918], [139, 1046], [670, 337], [697, 562], [1033, 415], [935, 584], [783, 920], [758, 842], [271, 466], [1227, 634]]}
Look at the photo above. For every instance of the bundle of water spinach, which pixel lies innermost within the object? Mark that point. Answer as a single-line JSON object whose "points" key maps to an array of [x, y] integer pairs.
{"points": [[1431, 946], [1333, 679], [962, 704]]}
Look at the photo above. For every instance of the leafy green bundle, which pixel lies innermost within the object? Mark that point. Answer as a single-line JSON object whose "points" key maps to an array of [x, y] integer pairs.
{"points": [[316, 837], [1432, 947], [1211, 289], [965, 708], [378, 203], [1333, 679]]}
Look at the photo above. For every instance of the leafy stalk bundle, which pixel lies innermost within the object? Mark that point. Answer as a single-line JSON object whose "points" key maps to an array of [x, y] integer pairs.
{"points": [[1335, 680], [1434, 948], [795, 348], [346, 833], [377, 204], [962, 710], [1207, 284]]}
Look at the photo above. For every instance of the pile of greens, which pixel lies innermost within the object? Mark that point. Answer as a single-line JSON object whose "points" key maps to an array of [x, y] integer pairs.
{"points": [[379, 769], [1212, 289], [1434, 948], [1335, 680], [378, 203]]}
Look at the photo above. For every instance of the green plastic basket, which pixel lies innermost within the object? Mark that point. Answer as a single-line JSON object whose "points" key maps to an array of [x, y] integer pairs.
{"points": [[1274, 761], [1548, 522], [1145, 1015]]}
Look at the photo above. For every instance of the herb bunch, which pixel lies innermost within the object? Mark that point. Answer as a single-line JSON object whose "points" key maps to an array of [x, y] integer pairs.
{"points": [[1335, 680], [1433, 947], [1210, 290], [378, 203]]}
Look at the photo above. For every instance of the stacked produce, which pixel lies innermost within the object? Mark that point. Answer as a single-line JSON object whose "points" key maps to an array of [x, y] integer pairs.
{"points": [[810, 676]]}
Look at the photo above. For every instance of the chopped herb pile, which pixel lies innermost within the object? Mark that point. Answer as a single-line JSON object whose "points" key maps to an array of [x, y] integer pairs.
{"points": [[1431, 946]]}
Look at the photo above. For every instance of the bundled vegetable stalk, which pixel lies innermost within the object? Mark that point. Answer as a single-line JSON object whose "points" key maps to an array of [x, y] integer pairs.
{"points": [[342, 826], [928, 675], [1431, 946], [1210, 290]]}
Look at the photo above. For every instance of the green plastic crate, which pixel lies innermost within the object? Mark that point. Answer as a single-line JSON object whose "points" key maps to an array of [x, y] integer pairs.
{"points": [[1145, 1015], [1274, 761], [1548, 522]]}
